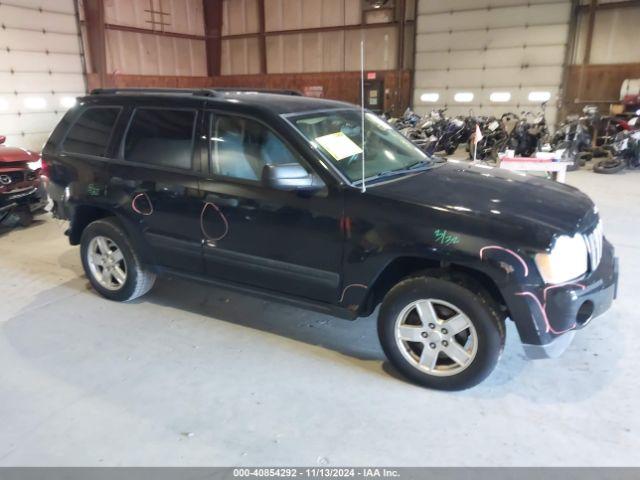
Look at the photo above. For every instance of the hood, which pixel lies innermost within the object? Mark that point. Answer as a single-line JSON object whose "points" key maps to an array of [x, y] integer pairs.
{"points": [[15, 154], [501, 196]]}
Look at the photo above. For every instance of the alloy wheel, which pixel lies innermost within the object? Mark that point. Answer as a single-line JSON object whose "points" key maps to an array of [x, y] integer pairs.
{"points": [[107, 263], [436, 337]]}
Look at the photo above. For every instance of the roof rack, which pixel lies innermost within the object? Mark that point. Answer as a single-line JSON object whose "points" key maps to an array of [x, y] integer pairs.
{"points": [[278, 91], [199, 92]]}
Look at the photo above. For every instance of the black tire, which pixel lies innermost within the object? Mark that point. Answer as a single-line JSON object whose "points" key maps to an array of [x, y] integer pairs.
{"points": [[139, 280], [25, 217], [583, 158], [610, 165], [480, 311]]}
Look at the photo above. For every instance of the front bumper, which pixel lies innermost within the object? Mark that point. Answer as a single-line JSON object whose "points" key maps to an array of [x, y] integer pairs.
{"points": [[33, 198], [559, 310]]}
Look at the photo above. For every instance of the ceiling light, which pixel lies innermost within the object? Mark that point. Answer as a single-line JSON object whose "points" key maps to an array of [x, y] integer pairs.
{"points": [[463, 97], [35, 103], [67, 102], [539, 96], [500, 96], [429, 97]]}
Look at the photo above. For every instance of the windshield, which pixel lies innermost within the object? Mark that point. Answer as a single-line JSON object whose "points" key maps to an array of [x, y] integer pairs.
{"points": [[338, 135]]}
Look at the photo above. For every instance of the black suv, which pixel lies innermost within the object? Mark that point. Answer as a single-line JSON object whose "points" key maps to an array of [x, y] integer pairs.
{"points": [[264, 193]]}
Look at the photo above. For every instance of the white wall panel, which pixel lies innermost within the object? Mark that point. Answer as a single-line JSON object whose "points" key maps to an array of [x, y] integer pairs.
{"points": [[552, 13], [485, 46], [494, 38], [498, 57], [438, 6], [40, 68], [38, 20], [491, 77]]}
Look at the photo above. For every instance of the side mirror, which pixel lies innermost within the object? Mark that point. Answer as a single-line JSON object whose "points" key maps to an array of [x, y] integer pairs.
{"points": [[289, 176], [2, 139]]}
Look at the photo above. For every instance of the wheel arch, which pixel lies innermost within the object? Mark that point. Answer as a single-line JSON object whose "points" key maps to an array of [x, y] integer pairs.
{"points": [[84, 214], [403, 267]]}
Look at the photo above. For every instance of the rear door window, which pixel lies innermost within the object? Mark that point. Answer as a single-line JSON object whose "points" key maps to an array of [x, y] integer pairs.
{"points": [[91, 132], [162, 137]]}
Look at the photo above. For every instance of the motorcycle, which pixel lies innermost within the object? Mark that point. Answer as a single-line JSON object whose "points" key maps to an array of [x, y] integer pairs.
{"points": [[573, 138], [625, 154], [494, 139], [454, 131], [529, 134]]}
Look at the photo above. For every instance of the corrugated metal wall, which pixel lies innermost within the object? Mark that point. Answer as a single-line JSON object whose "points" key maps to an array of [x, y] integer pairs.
{"points": [[41, 69], [483, 47], [146, 54], [327, 51]]}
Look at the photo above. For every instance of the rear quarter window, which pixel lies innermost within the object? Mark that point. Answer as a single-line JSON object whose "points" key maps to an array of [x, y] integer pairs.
{"points": [[91, 132], [162, 137]]}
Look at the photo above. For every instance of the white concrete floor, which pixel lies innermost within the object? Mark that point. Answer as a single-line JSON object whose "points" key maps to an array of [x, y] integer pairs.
{"points": [[191, 375]]}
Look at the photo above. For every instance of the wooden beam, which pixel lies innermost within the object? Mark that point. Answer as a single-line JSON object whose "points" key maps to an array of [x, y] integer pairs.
{"points": [[587, 49], [592, 22], [337, 28], [401, 24], [568, 56], [96, 38], [611, 5], [262, 40], [213, 35], [148, 31]]}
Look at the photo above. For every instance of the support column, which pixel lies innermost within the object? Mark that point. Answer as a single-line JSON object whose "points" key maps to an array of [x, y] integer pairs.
{"points": [[262, 40], [96, 38], [213, 32]]}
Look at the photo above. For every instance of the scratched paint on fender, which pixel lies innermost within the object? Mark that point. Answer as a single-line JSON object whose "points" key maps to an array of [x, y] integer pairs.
{"points": [[353, 285], [210, 238], [445, 238], [510, 252], [146, 211]]}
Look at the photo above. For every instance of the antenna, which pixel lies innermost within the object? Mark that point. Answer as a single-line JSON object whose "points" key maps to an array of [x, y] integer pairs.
{"points": [[364, 187]]}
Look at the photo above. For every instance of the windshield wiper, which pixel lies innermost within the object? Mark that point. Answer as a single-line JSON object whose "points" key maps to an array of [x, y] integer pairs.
{"points": [[414, 167]]}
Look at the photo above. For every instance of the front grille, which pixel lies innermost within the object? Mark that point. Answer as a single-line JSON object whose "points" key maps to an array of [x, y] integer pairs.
{"points": [[593, 240], [11, 177]]}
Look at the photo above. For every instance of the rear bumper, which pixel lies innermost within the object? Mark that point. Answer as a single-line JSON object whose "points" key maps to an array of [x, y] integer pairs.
{"points": [[558, 311]]}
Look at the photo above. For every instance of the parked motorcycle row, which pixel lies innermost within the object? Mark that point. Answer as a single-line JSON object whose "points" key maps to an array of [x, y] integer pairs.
{"points": [[613, 143]]}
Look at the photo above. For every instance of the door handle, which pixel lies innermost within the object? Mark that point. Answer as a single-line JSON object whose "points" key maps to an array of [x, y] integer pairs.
{"points": [[222, 201]]}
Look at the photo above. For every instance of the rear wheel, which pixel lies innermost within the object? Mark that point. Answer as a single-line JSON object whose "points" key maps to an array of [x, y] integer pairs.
{"points": [[440, 334], [111, 264]]}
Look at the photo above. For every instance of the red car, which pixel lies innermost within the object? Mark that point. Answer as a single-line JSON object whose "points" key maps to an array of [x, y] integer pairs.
{"points": [[21, 190]]}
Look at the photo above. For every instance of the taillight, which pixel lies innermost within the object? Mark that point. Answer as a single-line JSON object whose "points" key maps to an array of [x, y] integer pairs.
{"points": [[44, 171]]}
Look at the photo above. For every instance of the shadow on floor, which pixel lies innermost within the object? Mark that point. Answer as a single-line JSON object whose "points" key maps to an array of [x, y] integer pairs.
{"points": [[353, 339]]}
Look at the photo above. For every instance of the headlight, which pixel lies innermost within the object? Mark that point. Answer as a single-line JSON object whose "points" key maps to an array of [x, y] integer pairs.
{"points": [[567, 260]]}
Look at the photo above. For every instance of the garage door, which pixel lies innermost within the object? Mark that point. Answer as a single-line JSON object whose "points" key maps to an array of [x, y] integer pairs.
{"points": [[490, 56], [41, 70]]}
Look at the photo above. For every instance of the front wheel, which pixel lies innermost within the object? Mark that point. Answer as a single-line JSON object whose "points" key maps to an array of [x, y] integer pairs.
{"points": [[440, 334]]}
